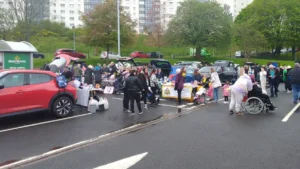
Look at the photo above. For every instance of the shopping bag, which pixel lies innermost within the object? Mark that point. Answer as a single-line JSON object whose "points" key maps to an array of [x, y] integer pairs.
{"points": [[106, 105]]}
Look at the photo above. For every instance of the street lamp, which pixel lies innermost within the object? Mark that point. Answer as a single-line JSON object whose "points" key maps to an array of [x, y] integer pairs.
{"points": [[119, 40], [107, 45], [74, 37]]}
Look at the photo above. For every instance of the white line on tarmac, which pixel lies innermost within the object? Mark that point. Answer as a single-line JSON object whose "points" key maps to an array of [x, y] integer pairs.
{"points": [[46, 122], [286, 118]]}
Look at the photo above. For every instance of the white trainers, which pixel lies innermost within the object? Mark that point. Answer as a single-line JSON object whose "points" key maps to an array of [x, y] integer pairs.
{"points": [[140, 112], [288, 91], [146, 106]]}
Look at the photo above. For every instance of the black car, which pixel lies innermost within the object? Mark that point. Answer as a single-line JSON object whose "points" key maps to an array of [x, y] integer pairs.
{"points": [[228, 71], [38, 55], [155, 55], [162, 64]]}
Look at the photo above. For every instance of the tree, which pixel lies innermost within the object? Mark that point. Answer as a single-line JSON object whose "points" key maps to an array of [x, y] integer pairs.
{"points": [[278, 20], [6, 23], [27, 13], [292, 25], [100, 26], [201, 24], [248, 39]]}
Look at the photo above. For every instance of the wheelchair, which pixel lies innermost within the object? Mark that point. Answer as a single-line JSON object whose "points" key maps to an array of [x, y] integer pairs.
{"points": [[255, 105]]}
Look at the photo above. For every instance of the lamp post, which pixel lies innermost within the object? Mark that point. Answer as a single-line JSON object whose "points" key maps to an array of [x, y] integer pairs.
{"points": [[107, 45], [74, 37], [119, 40]]}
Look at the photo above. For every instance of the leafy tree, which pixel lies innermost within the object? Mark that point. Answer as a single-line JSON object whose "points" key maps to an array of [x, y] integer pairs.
{"points": [[248, 39], [100, 26], [201, 24], [292, 24], [6, 23], [27, 13], [278, 20]]}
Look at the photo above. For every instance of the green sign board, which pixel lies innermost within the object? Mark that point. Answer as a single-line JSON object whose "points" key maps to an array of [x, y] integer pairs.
{"points": [[17, 61]]}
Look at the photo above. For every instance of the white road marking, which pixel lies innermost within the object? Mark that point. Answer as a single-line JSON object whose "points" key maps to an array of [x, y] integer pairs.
{"points": [[46, 122], [124, 163], [66, 148], [286, 118], [190, 108]]}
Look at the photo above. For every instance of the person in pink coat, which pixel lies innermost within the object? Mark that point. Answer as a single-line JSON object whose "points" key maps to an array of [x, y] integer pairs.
{"points": [[226, 92]]}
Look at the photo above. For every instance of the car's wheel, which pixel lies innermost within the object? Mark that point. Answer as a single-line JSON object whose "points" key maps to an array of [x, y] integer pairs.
{"points": [[62, 107]]}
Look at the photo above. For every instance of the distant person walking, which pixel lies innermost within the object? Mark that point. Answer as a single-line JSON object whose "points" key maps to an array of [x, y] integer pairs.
{"points": [[153, 85], [238, 91], [263, 79], [77, 72], [216, 83], [286, 79], [273, 76], [294, 74]]}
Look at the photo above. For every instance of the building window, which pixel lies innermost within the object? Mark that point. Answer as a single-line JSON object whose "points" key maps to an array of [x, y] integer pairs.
{"points": [[62, 5], [62, 18], [72, 5], [62, 11], [72, 18], [54, 11], [71, 12]]}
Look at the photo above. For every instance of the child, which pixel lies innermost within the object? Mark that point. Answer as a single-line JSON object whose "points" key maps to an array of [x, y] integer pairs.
{"points": [[226, 91]]}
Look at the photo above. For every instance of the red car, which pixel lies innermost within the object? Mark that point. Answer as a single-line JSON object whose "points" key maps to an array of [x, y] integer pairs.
{"points": [[25, 91], [137, 54], [70, 52]]}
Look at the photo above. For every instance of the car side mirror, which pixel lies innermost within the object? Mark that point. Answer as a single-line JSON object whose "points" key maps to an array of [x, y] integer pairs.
{"points": [[1, 86]]}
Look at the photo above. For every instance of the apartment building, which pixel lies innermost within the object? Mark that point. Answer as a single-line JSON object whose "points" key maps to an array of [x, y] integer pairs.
{"points": [[237, 5], [67, 11], [90, 4]]}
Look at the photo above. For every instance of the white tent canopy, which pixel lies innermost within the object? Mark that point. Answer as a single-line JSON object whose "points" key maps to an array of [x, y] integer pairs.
{"points": [[8, 46]]}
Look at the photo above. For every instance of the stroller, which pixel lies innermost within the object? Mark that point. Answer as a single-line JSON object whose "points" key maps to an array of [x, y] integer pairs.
{"points": [[119, 84], [150, 96], [199, 97]]}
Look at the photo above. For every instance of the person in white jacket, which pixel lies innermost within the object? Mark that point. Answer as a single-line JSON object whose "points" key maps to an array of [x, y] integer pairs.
{"points": [[238, 91], [263, 79], [216, 83]]}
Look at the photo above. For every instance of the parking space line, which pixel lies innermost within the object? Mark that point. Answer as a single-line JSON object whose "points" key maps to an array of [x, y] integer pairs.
{"points": [[286, 118], [46, 122]]}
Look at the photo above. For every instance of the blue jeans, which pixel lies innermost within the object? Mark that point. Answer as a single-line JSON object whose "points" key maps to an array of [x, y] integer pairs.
{"points": [[216, 94], [296, 91], [273, 86]]}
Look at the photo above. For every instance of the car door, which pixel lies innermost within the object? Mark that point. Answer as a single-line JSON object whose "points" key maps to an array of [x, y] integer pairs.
{"points": [[12, 96], [41, 89]]}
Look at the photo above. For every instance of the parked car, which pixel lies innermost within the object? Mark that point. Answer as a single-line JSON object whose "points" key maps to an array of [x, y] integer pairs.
{"points": [[155, 55], [125, 62], [111, 55], [189, 73], [70, 52], [141, 63], [38, 55], [162, 64], [137, 54], [25, 91], [225, 73]]}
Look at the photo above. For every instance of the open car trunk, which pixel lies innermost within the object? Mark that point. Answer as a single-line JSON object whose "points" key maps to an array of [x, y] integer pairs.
{"points": [[164, 65]]}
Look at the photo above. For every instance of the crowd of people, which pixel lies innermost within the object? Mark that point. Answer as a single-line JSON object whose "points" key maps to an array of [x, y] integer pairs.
{"points": [[139, 82]]}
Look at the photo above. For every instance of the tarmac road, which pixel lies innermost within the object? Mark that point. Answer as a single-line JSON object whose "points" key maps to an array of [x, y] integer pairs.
{"points": [[205, 138], [28, 135]]}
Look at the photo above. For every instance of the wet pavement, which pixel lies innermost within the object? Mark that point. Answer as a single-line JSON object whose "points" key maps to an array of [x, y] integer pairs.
{"points": [[205, 138]]}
